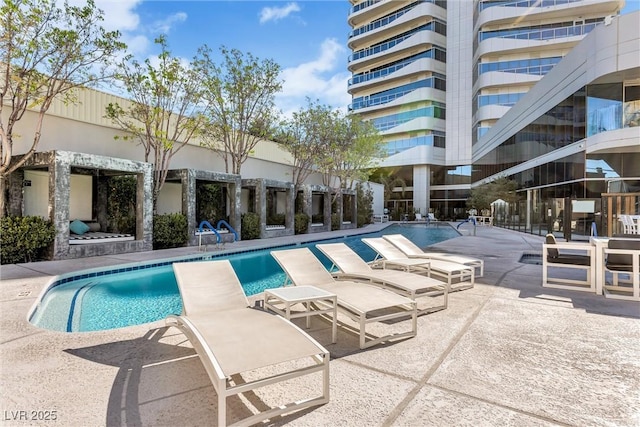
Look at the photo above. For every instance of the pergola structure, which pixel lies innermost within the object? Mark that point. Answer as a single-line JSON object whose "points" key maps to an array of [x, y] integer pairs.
{"points": [[272, 197], [60, 166], [190, 179]]}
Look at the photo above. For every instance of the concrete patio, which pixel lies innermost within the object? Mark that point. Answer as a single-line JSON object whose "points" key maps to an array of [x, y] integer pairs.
{"points": [[507, 352]]}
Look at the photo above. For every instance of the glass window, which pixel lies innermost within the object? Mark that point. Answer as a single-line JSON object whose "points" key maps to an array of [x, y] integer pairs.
{"points": [[604, 108], [631, 106]]}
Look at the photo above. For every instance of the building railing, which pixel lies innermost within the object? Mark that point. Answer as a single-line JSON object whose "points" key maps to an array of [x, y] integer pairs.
{"points": [[482, 5], [378, 23], [435, 53]]}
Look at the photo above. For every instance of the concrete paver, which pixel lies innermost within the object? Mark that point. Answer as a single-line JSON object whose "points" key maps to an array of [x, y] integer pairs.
{"points": [[507, 352]]}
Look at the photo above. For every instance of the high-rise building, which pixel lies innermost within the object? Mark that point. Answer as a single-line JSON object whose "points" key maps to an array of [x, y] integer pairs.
{"points": [[435, 77]]}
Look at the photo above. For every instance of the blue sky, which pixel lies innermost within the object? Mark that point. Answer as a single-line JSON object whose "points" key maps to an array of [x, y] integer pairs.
{"points": [[306, 37]]}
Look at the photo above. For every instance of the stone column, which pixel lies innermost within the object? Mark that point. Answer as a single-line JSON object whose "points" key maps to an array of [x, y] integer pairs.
{"points": [[59, 194]]}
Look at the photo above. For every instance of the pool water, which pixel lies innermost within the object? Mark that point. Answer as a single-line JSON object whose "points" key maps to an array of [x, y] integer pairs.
{"points": [[109, 301]]}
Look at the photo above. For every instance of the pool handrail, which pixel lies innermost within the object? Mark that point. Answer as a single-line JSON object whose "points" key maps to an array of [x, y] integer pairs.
{"points": [[210, 227], [231, 229]]}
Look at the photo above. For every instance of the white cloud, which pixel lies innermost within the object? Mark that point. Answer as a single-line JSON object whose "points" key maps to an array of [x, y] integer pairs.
{"points": [[276, 13], [316, 79], [118, 14], [164, 26]]}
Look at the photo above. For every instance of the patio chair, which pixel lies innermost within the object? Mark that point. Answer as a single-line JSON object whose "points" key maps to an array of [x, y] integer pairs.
{"points": [[448, 270], [231, 338], [361, 302], [412, 250], [352, 267], [623, 258], [552, 257]]}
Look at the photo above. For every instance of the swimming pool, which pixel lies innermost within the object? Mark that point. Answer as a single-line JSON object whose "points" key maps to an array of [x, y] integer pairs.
{"points": [[129, 295]]}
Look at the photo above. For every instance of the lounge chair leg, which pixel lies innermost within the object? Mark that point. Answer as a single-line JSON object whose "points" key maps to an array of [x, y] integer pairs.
{"points": [[222, 406]]}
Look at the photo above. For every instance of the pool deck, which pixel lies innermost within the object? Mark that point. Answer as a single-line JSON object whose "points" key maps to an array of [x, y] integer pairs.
{"points": [[507, 352]]}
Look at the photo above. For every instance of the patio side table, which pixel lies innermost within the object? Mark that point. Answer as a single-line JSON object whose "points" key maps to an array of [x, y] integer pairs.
{"points": [[280, 301]]}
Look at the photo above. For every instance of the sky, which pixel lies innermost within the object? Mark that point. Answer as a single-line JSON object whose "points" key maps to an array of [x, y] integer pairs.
{"points": [[307, 38]]}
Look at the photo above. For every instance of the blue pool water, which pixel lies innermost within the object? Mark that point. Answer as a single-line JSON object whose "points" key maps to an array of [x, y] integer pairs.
{"points": [[145, 293]]}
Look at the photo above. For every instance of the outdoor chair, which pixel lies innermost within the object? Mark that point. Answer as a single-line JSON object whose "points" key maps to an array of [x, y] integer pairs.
{"points": [[412, 250], [363, 303], [352, 267], [622, 257], [231, 338], [458, 276], [553, 258]]}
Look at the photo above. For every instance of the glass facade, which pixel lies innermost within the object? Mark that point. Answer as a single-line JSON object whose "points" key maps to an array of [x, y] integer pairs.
{"points": [[534, 66], [434, 139], [437, 81], [436, 26], [564, 124], [545, 190], [436, 110], [543, 32], [437, 53], [484, 4]]}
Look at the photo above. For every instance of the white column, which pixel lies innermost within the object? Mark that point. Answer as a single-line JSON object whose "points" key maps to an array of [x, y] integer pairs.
{"points": [[421, 188]]}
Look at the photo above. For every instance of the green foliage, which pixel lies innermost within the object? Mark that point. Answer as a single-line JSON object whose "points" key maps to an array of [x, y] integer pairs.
{"points": [[25, 239], [210, 203], [277, 219], [339, 145], [482, 196], [47, 52], [335, 222], [170, 231], [240, 94], [165, 112], [388, 177], [301, 223], [365, 205], [121, 204], [250, 226]]}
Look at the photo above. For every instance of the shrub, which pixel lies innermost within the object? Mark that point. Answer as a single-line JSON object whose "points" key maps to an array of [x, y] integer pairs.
{"points": [[277, 219], [365, 205], [250, 223], [25, 238], [170, 231], [301, 223], [335, 222], [121, 204]]}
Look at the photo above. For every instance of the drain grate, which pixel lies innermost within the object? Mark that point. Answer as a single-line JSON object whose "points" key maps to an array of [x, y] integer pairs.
{"points": [[535, 259], [24, 294]]}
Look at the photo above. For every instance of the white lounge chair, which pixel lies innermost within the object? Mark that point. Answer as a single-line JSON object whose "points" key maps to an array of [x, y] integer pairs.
{"points": [[231, 338], [411, 285], [412, 250], [361, 302], [462, 274]]}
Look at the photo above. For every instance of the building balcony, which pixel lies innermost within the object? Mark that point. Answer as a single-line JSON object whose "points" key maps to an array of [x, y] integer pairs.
{"points": [[519, 12]]}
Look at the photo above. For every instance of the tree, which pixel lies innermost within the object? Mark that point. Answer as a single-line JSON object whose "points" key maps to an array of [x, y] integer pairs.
{"points": [[303, 136], [165, 111], [482, 196], [361, 149], [45, 53], [389, 179], [350, 150], [240, 94]]}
